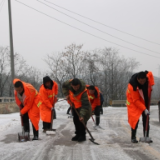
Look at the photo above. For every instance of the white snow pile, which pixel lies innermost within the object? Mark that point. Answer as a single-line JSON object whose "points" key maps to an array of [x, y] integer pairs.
{"points": [[61, 105]]}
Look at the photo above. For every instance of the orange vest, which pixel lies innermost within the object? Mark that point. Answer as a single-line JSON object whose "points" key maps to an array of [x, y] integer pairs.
{"points": [[95, 101], [76, 100]]}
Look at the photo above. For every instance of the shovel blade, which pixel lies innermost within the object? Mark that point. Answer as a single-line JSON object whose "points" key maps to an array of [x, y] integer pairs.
{"points": [[23, 137], [145, 139], [92, 140]]}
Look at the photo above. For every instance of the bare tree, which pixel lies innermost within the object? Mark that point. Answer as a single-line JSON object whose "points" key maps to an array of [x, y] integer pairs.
{"points": [[4, 69]]}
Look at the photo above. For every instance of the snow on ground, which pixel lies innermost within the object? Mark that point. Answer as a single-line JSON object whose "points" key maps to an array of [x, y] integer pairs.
{"points": [[114, 138]]}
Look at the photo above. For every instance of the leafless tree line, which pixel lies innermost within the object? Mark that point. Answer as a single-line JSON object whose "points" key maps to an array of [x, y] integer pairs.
{"points": [[22, 71], [104, 68]]}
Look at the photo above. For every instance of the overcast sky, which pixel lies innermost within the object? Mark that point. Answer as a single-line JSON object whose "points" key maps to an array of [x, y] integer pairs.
{"points": [[36, 35]]}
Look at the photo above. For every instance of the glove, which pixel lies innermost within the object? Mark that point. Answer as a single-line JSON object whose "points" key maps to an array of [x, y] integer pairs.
{"points": [[146, 112]]}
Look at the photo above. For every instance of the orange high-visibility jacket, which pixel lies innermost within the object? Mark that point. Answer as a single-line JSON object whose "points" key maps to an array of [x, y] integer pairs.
{"points": [[135, 101], [31, 102], [95, 101], [76, 100], [48, 99]]}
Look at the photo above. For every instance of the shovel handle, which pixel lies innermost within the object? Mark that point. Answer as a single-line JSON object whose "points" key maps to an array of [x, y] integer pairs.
{"points": [[92, 118]]}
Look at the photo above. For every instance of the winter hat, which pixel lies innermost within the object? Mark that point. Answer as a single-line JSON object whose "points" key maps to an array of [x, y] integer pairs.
{"points": [[47, 79]]}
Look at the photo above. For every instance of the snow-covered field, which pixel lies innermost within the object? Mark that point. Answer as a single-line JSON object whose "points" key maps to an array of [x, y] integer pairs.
{"points": [[114, 139]]}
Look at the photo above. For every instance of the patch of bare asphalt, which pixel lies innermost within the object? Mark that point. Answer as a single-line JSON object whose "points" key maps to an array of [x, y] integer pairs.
{"points": [[156, 123], [10, 138]]}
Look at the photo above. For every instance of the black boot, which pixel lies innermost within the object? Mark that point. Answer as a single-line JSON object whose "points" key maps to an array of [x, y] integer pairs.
{"points": [[134, 140], [133, 135], [35, 136], [26, 127], [35, 133], [82, 138], [75, 138]]}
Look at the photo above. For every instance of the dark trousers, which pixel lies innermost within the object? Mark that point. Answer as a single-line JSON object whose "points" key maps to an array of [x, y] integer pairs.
{"points": [[79, 127], [133, 131], [35, 133], [54, 114], [97, 114], [46, 125], [144, 119], [101, 110], [25, 119], [69, 110]]}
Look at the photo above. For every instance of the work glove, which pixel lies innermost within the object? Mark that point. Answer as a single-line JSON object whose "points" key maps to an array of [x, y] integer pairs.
{"points": [[146, 112]]}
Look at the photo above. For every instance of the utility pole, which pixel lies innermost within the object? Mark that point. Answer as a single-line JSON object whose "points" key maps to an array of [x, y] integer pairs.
{"points": [[11, 40]]}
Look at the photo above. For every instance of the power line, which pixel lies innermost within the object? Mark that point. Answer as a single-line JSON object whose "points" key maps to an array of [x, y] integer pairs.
{"points": [[1, 5], [82, 30], [104, 24], [99, 29]]}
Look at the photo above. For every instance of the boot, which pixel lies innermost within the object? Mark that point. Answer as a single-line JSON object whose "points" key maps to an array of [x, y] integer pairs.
{"points": [[133, 135], [134, 140], [35, 138], [26, 127], [82, 138], [75, 138], [35, 133]]}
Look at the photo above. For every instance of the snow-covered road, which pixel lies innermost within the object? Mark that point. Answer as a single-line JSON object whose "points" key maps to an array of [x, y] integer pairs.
{"points": [[114, 139]]}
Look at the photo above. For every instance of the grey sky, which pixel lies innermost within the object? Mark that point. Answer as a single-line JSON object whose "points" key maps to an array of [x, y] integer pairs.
{"points": [[36, 35]]}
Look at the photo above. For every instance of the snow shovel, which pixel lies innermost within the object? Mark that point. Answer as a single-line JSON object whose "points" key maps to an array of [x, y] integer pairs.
{"points": [[145, 138], [91, 139], [51, 131], [24, 136]]}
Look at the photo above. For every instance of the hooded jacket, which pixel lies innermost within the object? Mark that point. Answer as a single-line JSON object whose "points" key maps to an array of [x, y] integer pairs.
{"points": [[48, 97], [30, 100], [138, 97]]}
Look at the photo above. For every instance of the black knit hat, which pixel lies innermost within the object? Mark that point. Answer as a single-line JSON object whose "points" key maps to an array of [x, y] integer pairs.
{"points": [[75, 82], [91, 87]]}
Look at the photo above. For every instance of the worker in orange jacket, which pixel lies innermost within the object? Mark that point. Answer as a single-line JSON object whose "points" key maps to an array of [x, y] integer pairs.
{"points": [[28, 100], [138, 98], [48, 92], [76, 93], [95, 100]]}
